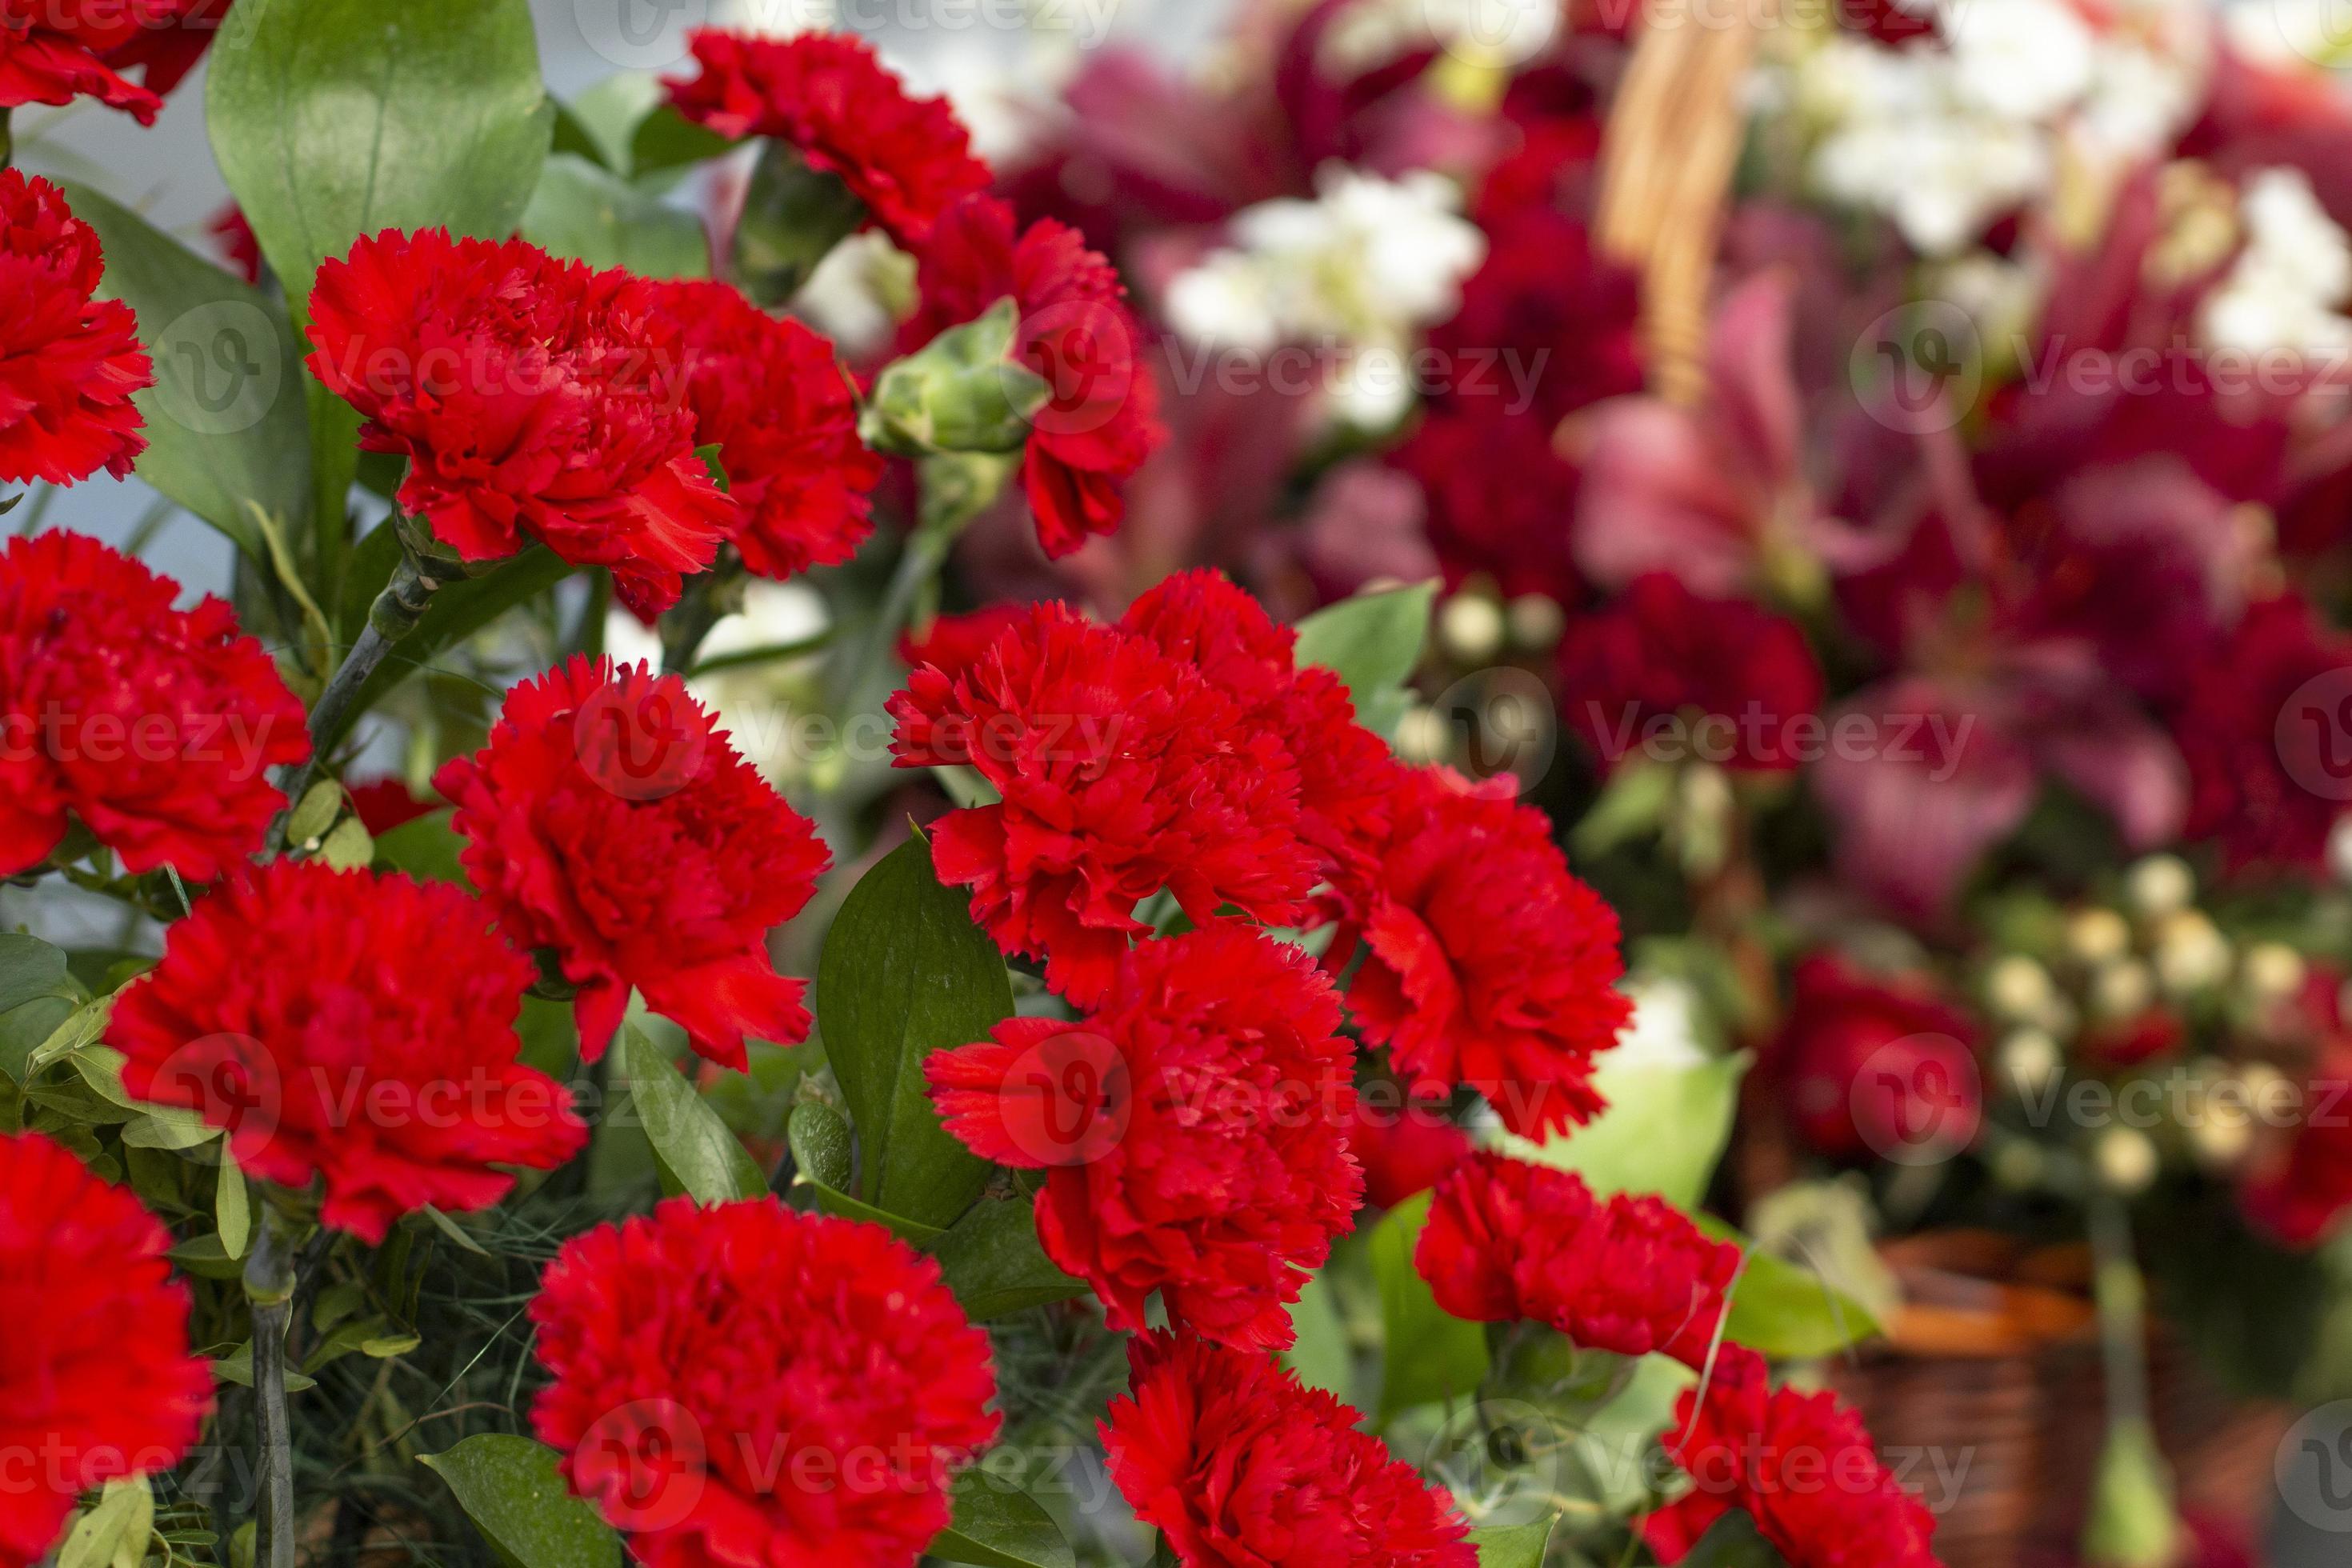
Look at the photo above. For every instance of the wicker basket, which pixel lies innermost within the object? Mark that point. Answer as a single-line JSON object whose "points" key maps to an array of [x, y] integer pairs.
{"points": [[1993, 1362]]}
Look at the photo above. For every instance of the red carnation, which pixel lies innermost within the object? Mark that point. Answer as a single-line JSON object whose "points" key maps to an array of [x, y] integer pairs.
{"points": [[1406, 1150], [773, 398], [153, 726], [1347, 779], [1122, 771], [749, 1385], [1507, 1240], [1076, 331], [954, 642], [1734, 675], [528, 393], [382, 804], [611, 820], [54, 51], [1485, 963], [1500, 497], [1874, 1068], [69, 364], [168, 38], [1804, 1470], [1239, 1466], [376, 1045], [1194, 1128], [97, 1383], [906, 158], [2263, 732]]}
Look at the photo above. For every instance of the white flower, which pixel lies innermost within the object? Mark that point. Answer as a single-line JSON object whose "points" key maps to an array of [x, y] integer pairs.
{"points": [[2287, 288], [777, 18], [1665, 1030], [1372, 33], [2019, 59]]}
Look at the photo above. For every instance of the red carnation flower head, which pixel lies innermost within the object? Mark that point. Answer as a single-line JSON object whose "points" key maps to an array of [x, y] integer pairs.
{"points": [[69, 364], [1121, 773], [771, 396], [1729, 677], [531, 396], [954, 642], [906, 158], [2270, 768], [1101, 420], [611, 820], [1406, 1150], [375, 1048], [1195, 1128], [1800, 1466], [1347, 778], [1507, 1240], [154, 727], [1877, 1069], [99, 1382], [1240, 1466], [167, 39], [752, 1384], [54, 51], [1486, 964]]}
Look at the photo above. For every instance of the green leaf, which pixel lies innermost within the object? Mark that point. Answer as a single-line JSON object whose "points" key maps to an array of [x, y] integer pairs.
{"points": [[820, 1141], [666, 140], [231, 1206], [994, 1265], [600, 123], [37, 995], [348, 847], [1320, 1355], [424, 846], [905, 972], [334, 118], [998, 1526], [114, 1532], [1666, 1128], [237, 1365], [509, 1487], [1373, 641], [226, 426], [589, 215], [315, 812], [1513, 1546], [693, 1147], [456, 612], [1784, 1310], [1428, 1355], [1733, 1542]]}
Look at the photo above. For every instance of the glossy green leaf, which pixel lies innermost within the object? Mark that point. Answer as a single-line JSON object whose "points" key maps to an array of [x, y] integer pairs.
{"points": [[36, 997], [1427, 1355], [231, 1206], [994, 1265], [1513, 1546], [1785, 1311], [998, 1526], [905, 972], [1666, 1126], [1373, 641], [334, 118], [227, 430], [585, 212], [1733, 1542], [666, 141], [1319, 1354], [693, 1147], [821, 1143], [511, 1489]]}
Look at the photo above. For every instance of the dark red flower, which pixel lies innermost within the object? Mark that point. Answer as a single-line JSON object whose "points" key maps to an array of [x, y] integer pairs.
{"points": [[1507, 1240], [1347, 779], [1205, 1156], [1730, 675], [1500, 497], [240, 246], [610, 820], [375, 1046], [382, 804], [1239, 1466], [1485, 963], [2263, 730], [1076, 331], [907, 159], [1873, 1068], [1122, 771], [1802, 1467], [751, 1384], [953, 644], [69, 364], [54, 51], [154, 727], [1548, 324], [776, 402], [530, 395], [169, 37], [1404, 1151], [99, 1382]]}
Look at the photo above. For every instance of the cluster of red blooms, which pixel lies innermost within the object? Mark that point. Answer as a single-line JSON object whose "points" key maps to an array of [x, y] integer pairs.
{"points": [[69, 364], [54, 51]]}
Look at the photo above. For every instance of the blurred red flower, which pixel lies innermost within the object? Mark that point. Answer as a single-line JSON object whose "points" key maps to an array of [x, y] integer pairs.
{"points": [[2264, 728], [54, 51], [1239, 1466], [530, 395], [1875, 1068], [375, 1046], [748, 1383], [69, 364], [168, 38], [611, 820], [154, 727]]}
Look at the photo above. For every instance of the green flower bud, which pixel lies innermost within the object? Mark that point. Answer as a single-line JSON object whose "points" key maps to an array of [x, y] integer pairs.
{"points": [[962, 391], [2132, 1522]]}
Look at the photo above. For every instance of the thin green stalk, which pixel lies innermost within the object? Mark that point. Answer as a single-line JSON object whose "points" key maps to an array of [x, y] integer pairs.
{"points": [[269, 1284], [394, 615]]}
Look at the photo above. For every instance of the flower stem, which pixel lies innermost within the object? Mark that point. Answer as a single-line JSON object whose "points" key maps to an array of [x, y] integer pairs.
{"points": [[390, 619], [269, 1283]]}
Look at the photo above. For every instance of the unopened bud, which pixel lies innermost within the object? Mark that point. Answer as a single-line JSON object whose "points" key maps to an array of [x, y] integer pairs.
{"points": [[962, 391]]}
